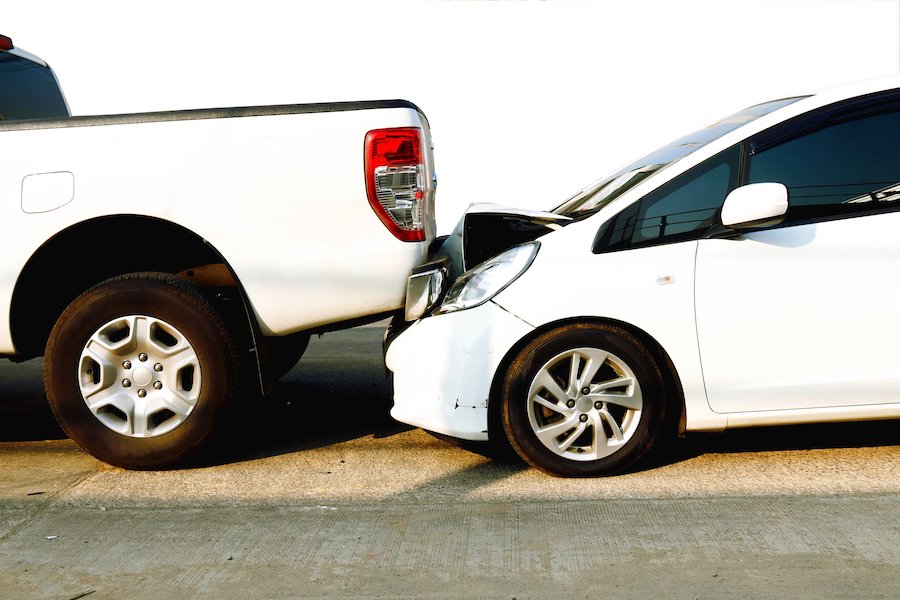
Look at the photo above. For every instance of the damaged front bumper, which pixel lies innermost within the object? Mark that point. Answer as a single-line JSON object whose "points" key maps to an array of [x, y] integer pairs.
{"points": [[444, 366]]}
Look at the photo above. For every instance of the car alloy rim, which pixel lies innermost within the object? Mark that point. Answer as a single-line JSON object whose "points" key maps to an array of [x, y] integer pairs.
{"points": [[139, 376], [584, 404]]}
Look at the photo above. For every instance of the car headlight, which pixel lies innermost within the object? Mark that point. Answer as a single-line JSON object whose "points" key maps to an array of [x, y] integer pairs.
{"points": [[479, 284]]}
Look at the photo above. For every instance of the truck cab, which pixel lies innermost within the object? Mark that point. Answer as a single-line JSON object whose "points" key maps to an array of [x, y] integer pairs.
{"points": [[28, 86]]}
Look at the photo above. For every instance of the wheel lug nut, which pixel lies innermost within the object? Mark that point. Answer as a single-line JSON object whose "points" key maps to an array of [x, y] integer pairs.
{"points": [[158, 367], [157, 385], [126, 364], [126, 383], [570, 404], [598, 405], [142, 393], [142, 357], [583, 418], [585, 390]]}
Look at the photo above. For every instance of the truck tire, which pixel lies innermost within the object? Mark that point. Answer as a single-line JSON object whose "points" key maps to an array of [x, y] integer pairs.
{"points": [[141, 371]]}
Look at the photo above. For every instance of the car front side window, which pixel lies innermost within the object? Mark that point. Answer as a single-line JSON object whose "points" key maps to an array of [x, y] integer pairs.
{"points": [[680, 210], [847, 168]]}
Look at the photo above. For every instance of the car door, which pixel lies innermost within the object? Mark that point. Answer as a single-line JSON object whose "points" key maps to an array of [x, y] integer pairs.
{"points": [[805, 314]]}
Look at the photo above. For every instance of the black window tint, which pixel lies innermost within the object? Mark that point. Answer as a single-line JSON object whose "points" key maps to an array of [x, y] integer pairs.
{"points": [[28, 90], [680, 210], [845, 168]]}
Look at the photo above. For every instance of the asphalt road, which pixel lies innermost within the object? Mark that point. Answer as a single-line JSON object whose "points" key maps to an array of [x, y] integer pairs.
{"points": [[323, 495]]}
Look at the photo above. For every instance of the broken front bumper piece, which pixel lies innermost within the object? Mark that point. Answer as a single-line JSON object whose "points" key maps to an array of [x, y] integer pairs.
{"points": [[444, 365], [425, 288]]}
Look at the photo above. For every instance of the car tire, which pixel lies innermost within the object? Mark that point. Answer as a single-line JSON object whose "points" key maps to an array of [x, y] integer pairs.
{"points": [[141, 371], [584, 400]]}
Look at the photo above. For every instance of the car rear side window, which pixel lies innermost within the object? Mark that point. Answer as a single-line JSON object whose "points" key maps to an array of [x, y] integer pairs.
{"points": [[846, 168], [28, 90], [680, 210]]}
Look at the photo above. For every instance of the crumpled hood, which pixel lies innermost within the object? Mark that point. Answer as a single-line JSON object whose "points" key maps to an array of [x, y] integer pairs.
{"points": [[486, 230]]}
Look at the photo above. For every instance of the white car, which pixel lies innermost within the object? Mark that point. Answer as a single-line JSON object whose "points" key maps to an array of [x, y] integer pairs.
{"points": [[747, 274]]}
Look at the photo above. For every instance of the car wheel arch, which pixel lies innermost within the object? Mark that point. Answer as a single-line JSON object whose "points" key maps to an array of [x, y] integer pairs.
{"points": [[667, 368]]}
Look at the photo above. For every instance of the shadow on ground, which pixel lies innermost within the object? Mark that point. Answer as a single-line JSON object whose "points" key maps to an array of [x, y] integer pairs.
{"points": [[866, 434], [24, 413], [310, 408], [339, 391], [801, 437]]}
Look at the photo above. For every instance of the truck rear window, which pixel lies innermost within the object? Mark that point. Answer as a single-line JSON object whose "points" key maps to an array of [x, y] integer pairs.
{"points": [[28, 90]]}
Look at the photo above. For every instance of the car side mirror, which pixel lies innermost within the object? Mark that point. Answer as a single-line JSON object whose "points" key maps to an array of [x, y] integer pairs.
{"points": [[755, 205]]}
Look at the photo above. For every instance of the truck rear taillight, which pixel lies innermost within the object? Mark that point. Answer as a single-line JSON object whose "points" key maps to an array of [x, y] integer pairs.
{"points": [[395, 180], [5, 43]]}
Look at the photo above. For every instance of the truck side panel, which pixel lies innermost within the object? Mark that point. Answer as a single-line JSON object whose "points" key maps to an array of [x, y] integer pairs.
{"points": [[281, 197]]}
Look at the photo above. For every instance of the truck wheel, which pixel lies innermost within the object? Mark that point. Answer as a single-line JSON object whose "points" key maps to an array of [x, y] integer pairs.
{"points": [[141, 371]]}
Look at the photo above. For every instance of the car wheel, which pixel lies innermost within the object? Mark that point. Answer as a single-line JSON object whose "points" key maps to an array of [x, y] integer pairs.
{"points": [[583, 400], [141, 371]]}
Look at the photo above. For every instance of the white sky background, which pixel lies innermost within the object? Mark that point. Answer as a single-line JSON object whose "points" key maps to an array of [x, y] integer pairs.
{"points": [[528, 100]]}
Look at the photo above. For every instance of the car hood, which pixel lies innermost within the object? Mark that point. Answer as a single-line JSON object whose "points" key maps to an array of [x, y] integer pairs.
{"points": [[486, 230]]}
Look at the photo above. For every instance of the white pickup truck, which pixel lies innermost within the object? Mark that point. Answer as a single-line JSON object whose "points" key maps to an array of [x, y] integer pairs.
{"points": [[168, 265]]}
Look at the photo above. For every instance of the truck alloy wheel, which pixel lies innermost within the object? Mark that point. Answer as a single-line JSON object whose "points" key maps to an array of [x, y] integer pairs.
{"points": [[140, 371], [139, 376], [583, 400]]}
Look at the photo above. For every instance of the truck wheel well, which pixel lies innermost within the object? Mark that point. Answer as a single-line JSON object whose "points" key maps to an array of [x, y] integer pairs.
{"points": [[87, 253], [670, 375]]}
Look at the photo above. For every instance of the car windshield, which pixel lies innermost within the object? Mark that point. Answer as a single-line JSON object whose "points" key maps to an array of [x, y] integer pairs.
{"points": [[602, 192]]}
